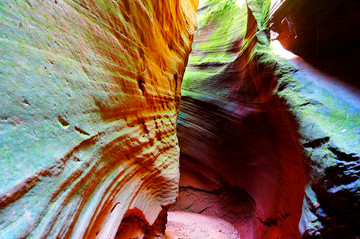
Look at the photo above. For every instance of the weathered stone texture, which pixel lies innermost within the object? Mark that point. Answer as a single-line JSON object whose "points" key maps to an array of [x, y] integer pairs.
{"points": [[240, 149], [322, 91], [89, 99]]}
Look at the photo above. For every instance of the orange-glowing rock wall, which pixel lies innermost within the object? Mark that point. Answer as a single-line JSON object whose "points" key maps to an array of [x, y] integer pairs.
{"points": [[89, 99]]}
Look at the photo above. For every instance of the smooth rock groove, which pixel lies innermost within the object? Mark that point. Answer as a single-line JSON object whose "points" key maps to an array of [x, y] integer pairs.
{"points": [[241, 159], [89, 99], [269, 139]]}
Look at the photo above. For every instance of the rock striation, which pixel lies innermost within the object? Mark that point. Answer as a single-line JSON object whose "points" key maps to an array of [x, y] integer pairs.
{"points": [[329, 129], [240, 154], [269, 141], [90, 96], [89, 99], [322, 91]]}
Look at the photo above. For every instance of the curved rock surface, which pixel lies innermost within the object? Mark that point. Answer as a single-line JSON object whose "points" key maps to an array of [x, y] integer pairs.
{"points": [[89, 100], [240, 154], [323, 92], [249, 142], [329, 128], [90, 95]]}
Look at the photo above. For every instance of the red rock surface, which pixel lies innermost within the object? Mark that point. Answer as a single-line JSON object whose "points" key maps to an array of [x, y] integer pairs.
{"points": [[241, 158], [89, 99], [90, 94]]}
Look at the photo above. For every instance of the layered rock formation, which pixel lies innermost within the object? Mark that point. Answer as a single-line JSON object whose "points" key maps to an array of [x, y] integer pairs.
{"points": [[324, 95], [329, 127], [90, 95], [89, 99], [257, 131], [241, 159]]}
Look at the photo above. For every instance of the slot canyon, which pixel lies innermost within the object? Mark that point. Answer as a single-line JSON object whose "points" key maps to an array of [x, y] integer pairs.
{"points": [[219, 119]]}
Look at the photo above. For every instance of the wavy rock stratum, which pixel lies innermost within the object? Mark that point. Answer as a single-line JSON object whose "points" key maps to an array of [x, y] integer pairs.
{"points": [[89, 99], [270, 142], [89, 108], [240, 154]]}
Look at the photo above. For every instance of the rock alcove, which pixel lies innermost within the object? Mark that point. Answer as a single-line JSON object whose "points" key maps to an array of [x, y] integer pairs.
{"points": [[258, 102]]}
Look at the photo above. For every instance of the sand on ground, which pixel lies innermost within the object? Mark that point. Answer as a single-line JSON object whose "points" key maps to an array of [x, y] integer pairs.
{"points": [[186, 225]]}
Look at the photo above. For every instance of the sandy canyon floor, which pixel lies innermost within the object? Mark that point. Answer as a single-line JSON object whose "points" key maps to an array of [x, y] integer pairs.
{"points": [[185, 225]]}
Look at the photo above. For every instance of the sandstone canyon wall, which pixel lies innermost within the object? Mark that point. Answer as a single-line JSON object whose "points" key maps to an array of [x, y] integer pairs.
{"points": [[240, 153], [270, 141], [322, 90], [89, 98], [90, 94]]}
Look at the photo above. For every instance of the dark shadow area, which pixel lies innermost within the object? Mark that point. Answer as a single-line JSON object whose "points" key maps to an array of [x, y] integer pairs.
{"points": [[325, 33]]}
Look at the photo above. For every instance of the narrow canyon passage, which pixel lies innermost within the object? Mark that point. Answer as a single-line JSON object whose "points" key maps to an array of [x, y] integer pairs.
{"points": [[261, 156], [241, 159], [144, 119], [200, 191]]}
